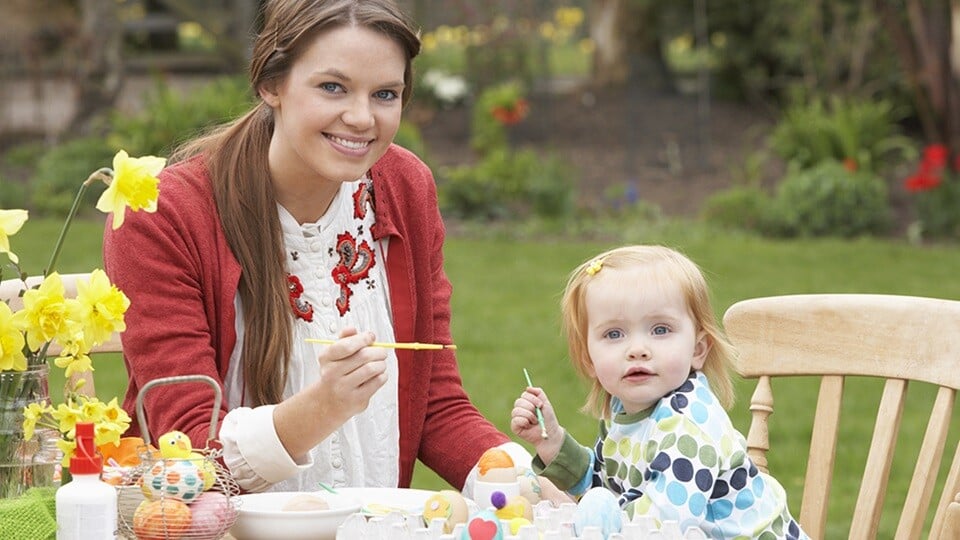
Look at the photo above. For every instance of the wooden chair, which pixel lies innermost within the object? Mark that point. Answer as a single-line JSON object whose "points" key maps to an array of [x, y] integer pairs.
{"points": [[836, 336], [10, 290]]}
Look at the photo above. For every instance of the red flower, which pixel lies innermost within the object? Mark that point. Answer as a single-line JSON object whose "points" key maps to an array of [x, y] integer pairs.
{"points": [[850, 164], [935, 156], [510, 114], [922, 182], [930, 172]]}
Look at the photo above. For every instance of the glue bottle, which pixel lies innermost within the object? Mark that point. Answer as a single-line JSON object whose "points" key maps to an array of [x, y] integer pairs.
{"points": [[86, 506]]}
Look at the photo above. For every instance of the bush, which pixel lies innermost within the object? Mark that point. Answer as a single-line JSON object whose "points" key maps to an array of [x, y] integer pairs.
{"points": [[62, 169], [830, 200], [169, 118], [862, 133], [508, 185], [409, 137], [742, 207]]}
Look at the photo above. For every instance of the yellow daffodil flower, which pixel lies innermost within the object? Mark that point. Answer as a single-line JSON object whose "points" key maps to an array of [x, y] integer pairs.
{"points": [[11, 342], [10, 223], [135, 185], [102, 306], [67, 415], [79, 363], [32, 414], [44, 313], [66, 446]]}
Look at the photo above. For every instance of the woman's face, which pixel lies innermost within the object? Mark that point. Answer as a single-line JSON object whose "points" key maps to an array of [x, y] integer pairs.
{"points": [[339, 107]]}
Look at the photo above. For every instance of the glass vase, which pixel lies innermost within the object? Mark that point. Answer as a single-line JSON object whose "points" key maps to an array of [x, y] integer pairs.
{"points": [[25, 463]]}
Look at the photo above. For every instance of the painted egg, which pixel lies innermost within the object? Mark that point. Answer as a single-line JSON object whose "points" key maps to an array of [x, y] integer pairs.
{"points": [[177, 479], [598, 508], [495, 458], [448, 505], [530, 486], [515, 524], [499, 476], [515, 507], [207, 467], [212, 515], [484, 525], [164, 519]]}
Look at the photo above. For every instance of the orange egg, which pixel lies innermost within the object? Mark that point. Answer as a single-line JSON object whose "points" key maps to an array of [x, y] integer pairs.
{"points": [[163, 519], [494, 458]]}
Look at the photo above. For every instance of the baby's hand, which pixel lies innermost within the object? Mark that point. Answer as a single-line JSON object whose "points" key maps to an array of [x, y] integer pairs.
{"points": [[525, 423]]}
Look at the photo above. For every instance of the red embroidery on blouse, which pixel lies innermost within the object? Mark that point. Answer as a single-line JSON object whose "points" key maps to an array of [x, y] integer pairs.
{"points": [[301, 308], [355, 264], [362, 197]]}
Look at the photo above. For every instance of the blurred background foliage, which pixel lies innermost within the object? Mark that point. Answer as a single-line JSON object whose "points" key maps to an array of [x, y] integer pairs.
{"points": [[862, 83]]}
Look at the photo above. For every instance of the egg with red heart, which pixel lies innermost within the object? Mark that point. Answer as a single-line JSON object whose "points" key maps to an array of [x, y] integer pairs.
{"points": [[484, 525]]}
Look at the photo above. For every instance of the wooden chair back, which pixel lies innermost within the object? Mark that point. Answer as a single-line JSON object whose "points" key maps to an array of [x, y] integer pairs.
{"points": [[10, 292], [836, 336]]}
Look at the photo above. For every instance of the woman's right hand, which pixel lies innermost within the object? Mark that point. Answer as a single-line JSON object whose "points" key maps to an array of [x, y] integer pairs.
{"points": [[350, 373]]}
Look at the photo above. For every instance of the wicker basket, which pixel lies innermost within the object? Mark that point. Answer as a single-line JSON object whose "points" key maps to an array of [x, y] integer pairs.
{"points": [[175, 498]]}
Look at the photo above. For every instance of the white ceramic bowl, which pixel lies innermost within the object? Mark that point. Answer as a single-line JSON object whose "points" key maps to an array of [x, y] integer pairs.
{"points": [[262, 518]]}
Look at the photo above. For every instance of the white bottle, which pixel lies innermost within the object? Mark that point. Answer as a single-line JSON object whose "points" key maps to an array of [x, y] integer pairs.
{"points": [[86, 506]]}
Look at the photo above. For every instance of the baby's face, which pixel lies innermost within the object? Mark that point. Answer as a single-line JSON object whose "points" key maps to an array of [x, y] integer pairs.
{"points": [[642, 340]]}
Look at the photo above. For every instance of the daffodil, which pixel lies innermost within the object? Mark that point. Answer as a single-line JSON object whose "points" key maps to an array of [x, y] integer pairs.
{"points": [[102, 306], [32, 414], [73, 364], [44, 313], [10, 223], [67, 415], [11, 342], [134, 185]]}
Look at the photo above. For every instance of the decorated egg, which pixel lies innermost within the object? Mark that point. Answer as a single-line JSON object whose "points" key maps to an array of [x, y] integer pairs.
{"points": [[484, 525], [207, 467], [496, 466], [598, 508], [447, 504], [172, 479], [211, 516], [514, 524], [516, 506], [530, 486], [164, 519]]}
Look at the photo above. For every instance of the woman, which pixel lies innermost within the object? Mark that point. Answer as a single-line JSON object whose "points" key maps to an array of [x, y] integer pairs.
{"points": [[301, 220]]}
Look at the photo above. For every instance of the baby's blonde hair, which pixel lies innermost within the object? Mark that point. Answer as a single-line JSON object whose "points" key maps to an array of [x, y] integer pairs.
{"points": [[666, 265]]}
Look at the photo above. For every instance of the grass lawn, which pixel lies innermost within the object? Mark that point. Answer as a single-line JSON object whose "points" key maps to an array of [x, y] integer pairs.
{"points": [[506, 317]]}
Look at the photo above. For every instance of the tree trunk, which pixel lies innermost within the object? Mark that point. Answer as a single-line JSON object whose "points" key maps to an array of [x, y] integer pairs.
{"points": [[100, 67], [626, 36]]}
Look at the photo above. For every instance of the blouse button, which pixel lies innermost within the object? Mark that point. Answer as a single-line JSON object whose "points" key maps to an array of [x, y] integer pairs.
{"points": [[332, 327], [337, 463], [325, 301], [316, 246]]}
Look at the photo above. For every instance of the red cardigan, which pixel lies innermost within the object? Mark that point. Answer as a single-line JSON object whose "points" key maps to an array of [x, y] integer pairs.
{"points": [[181, 278]]}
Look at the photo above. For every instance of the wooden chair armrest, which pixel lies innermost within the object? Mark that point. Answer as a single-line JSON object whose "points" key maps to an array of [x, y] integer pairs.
{"points": [[951, 521]]}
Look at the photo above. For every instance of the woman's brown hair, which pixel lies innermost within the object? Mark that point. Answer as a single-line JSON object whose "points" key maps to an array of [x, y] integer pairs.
{"points": [[236, 157]]}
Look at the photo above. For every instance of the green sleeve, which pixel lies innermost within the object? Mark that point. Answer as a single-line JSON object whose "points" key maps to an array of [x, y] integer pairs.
{"points": [[570, 465]]}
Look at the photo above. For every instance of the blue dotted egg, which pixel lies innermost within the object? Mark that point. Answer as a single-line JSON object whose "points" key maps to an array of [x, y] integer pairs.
{"points": [[598, 508]]}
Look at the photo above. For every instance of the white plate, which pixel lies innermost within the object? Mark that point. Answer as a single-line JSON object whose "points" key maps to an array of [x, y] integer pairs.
{"points": [[262, 518], [379, 501]]}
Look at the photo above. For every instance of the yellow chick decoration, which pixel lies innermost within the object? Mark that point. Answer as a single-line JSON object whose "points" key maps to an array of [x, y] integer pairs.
{"points": [[176, 444]]}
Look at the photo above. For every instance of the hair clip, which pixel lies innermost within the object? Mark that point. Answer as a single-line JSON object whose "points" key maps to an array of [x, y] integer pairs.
{"points": [[595, 266]]}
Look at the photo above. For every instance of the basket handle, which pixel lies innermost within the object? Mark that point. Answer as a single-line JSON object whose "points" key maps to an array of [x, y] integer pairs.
{"points": [[217, 397]]}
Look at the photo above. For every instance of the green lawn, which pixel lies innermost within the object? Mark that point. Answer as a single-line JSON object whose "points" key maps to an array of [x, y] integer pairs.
{"points": [[506, 313]]}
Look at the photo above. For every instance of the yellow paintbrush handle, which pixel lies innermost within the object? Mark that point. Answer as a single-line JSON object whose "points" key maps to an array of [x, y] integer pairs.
{"points": [[413, 346]]}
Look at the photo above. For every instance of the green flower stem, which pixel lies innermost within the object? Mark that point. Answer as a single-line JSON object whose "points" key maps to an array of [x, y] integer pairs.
{"points": [[105, 174]]}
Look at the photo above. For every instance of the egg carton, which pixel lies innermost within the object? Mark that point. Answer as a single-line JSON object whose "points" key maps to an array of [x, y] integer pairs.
{"points": [[550, 523], [173, 498]]}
